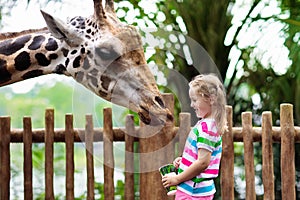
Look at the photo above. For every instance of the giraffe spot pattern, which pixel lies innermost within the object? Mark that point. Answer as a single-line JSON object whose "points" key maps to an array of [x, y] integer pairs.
{"points": [[76, 62], [79, 76], [60, 69], [74, 52], [105, 82], [32, 74], [37, 42], [65, 52], [94, 72], [22, 61], [4, 74], [67, 62], [86, 64], [102, 93], [93, 80], [78, 22], [51, 45], [42, 60], [53, 56], [9, 47]]}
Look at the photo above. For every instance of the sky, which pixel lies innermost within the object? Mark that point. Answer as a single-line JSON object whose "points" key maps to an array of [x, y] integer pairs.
{"points": [[26, 16]]}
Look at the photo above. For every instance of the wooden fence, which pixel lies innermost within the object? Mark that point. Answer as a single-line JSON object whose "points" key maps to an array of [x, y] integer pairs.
{"points": [[156, 148]]}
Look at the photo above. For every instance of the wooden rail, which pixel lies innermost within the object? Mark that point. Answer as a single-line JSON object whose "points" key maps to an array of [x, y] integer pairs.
{"points": [[154, 151]]}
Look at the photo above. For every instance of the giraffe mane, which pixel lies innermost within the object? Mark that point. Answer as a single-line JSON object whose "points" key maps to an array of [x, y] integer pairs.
{"points": [[8, 35]]}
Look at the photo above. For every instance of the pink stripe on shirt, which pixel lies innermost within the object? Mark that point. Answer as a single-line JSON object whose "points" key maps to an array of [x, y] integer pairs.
{"points": [[211, 171], [186, 162], [215, 161], [191, 153]]}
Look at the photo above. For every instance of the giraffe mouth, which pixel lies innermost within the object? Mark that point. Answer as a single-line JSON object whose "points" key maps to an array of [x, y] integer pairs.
{"points": [[153, 118]]}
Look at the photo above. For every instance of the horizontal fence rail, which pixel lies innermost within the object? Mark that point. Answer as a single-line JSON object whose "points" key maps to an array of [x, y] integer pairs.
{"points": [[38, 135], [151, 155]]}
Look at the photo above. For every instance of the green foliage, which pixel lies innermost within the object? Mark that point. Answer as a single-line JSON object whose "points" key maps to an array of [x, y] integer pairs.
{"points": [[120, 189], [35, 102], [63, 98], [209, 23]]}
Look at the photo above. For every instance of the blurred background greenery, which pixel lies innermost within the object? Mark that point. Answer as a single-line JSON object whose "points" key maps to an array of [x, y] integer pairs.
{"points": [[253, 46]]}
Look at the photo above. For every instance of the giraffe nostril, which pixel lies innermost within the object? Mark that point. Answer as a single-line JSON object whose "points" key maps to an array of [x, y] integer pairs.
{"points": [[160, 101]]}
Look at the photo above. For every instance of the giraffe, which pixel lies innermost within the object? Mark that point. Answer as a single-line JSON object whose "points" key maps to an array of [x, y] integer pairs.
{"points": [[99, 52]]}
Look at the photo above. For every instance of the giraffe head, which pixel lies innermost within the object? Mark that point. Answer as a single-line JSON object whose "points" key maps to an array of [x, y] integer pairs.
{"points": [[107, 57]]}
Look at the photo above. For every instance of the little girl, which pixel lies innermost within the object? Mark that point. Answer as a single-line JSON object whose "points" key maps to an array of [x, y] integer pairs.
{"points": [[201, 156]]}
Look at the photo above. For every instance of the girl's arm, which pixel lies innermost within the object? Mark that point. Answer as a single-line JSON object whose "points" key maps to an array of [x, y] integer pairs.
{"points": [[193, 170]]}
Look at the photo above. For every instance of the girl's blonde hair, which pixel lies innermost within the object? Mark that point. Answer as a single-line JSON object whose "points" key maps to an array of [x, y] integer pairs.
{"points": [[210, 86]]}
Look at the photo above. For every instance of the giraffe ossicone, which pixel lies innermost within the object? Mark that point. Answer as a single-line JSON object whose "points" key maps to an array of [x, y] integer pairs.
{"points": [[100, 52]]}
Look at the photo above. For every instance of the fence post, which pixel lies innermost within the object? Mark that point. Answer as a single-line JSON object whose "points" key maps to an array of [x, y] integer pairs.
{"points": [[227, 162], [69, 141], [249, 155], [129, 158], [287, 151], [49, 139], [5, 158], [89, 140], [108, 157], [267, 156], [156, 149], [27, 150]]}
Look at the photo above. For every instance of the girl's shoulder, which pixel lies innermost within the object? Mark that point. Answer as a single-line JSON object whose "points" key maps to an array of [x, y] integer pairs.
{"points": [[207, 126]]}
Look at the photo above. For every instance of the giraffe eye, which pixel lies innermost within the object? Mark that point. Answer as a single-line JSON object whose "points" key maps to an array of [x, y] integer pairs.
{"points": [[107, 54]]}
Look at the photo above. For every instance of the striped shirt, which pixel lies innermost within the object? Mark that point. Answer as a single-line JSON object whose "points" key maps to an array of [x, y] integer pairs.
{"points": [[203, 135]]}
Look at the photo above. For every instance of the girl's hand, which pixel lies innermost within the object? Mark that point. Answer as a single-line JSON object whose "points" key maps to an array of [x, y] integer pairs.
{"points": [[170, 180], [176, 162]]}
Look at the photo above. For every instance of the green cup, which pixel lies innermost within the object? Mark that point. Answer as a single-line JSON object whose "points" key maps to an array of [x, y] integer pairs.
{"points": [[168, 169]]}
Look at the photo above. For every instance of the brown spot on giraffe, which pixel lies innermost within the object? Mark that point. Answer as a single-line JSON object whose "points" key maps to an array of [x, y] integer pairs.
{"points": [[9, 47], [42, 59], [22, 61], [51, 45], [32, 74], [36, 42], [76, 62], [4, 74]]}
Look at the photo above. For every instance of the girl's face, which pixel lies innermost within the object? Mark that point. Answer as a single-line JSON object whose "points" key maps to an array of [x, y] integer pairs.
{"points": [[200, 103]]}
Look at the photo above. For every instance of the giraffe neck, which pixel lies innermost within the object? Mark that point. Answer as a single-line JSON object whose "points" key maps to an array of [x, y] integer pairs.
{"points": [[99, 52], [30, 54]]}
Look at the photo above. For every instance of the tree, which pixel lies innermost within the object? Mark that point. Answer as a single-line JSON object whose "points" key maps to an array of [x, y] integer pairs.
{"points": [[247, 68]]}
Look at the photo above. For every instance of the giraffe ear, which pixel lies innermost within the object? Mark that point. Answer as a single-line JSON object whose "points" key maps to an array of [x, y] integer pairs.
{"points": [[61, 30]]}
